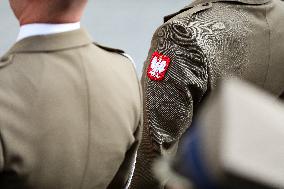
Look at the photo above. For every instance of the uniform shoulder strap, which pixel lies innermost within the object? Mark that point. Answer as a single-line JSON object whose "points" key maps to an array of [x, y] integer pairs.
{"points": [[119, 51], [194, 8], [114, 50]]}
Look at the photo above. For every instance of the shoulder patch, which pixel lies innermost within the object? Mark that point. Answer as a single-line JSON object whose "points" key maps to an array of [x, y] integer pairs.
{"points": [[119, 51], [158, 66], [194, 8]]}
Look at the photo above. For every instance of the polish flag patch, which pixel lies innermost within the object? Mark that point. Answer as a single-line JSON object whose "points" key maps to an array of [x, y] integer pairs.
{"points": [[158, 66]]}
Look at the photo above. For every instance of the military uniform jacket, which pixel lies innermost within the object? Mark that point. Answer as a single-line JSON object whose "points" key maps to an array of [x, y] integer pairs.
{"points": [[69, 114], [190, 52]]}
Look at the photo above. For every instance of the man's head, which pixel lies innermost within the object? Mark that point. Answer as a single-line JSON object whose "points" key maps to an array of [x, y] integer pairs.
{"points": [[48, 11]]}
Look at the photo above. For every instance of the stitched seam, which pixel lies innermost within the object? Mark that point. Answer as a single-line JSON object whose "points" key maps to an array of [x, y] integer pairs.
{"points": [[269, 43], [83, 70]]}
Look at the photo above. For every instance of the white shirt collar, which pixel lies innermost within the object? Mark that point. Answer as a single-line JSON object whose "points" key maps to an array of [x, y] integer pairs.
{"points": [[30, 30]]}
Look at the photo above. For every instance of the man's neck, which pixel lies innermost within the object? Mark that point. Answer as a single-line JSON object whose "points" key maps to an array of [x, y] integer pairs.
{"points": [[36, 29]]}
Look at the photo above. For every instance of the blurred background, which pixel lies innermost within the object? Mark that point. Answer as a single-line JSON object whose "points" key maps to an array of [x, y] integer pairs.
{"points": [[124, 24]]}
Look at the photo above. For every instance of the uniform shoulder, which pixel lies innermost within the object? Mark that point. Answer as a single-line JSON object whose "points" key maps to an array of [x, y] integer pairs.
{"points": [[178, 24], [179, 21]]}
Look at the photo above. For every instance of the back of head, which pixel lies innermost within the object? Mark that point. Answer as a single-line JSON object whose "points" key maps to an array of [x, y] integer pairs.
{"points": [[51, 11]]}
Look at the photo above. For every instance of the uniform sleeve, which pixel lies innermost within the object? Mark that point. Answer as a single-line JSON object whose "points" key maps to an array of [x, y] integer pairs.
{"points": [[123, 177], [174, 82]]}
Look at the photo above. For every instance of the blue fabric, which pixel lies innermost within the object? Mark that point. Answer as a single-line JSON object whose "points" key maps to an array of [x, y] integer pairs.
{"points": [[194, 164]]}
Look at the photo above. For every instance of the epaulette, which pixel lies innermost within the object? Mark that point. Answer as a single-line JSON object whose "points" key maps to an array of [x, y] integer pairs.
{"points": [[119, 51], [194, 7]]}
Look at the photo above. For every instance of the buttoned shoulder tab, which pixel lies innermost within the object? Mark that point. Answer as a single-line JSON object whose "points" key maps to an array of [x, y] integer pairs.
{"points": [[193, 10]]}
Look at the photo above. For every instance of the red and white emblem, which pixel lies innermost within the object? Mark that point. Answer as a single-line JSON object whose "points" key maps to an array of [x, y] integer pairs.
{"points": [[158, 66]]}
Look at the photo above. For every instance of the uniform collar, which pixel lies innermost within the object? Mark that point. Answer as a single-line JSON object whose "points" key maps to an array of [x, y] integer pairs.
{"points": [[30, 30], [52, 42], [249, 2]]}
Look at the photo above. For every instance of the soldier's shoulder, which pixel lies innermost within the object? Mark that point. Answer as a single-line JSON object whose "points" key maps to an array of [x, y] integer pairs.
{"points": [[179, 20]]}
